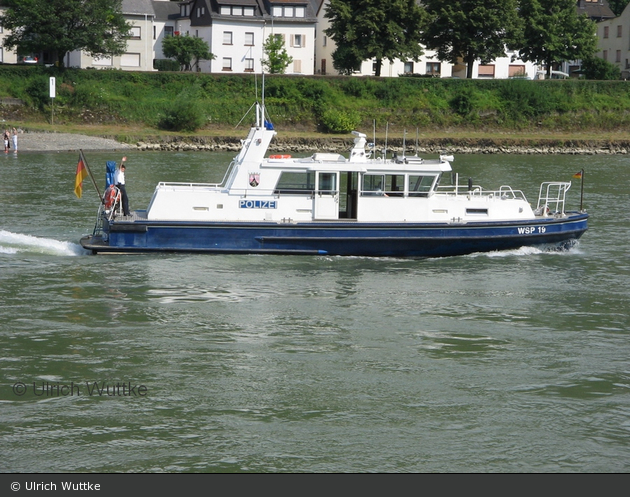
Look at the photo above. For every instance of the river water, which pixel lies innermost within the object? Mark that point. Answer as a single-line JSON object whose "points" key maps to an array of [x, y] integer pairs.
{"points": [[500, 362]]}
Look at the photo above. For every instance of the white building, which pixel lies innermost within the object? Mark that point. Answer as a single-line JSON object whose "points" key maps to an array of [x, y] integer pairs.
{"points": [[140, 46]]}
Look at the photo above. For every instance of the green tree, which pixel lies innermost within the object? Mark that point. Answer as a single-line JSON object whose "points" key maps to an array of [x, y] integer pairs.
{"points": [[277, 59], [554, 32], [374, 29], [186, 50], [96, 27], [596, 68], [470, 30], [617, 6]]}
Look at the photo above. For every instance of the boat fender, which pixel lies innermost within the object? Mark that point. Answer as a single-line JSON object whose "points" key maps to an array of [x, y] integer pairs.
{"points": [[110, 197]]}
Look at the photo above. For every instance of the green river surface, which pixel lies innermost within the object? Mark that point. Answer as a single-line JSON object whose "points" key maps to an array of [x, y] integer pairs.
{"points": [[501, 362]]}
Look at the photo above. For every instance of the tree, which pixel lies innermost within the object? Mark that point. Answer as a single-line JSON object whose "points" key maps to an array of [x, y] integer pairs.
{"points": [[277, 59], [596, 68], [185, 49], [617, 6], [374, 29], [554, 32], [96, 27], [471, 30]]}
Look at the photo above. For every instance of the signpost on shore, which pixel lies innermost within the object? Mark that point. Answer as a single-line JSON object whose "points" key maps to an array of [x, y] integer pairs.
{"points": [[52, 100]]}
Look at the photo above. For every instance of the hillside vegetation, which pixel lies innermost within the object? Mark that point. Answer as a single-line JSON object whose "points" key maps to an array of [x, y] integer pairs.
{"points": [[187, 102]]}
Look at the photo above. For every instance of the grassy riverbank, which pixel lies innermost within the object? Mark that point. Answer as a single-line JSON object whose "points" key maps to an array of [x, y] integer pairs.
{"points": [[131, 107]]}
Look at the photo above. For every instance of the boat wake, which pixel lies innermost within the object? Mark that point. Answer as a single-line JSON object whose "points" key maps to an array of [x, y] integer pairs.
{"points": [[571, 248], [16, 243]]}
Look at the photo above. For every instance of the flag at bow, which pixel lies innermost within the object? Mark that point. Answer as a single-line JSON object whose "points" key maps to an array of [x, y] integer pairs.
{"points": [[579, 174], [81, 175]]}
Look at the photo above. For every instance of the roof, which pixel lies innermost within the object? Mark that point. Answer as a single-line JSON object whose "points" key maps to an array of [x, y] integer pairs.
{"points": [[137, 7], [238, 2], [288, 2], [165, 10], [598, 10]]}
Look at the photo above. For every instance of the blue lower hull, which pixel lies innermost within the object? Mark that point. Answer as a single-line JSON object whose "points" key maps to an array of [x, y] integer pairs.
{"points": [[336, 238]]}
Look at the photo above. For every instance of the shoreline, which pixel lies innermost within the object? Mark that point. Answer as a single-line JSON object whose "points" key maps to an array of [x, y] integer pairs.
{"points": [[71, 142]]}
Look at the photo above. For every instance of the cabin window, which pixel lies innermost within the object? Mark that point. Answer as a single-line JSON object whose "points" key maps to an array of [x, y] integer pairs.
{"points": [[327, 183], [373, 184], [477, 212], [394, 185], [291, 182], [389, 185], [420, 186]]}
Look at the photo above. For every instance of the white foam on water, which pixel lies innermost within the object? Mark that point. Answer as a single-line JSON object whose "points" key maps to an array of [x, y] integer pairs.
{"points": [[14, 243], [528, 251]]}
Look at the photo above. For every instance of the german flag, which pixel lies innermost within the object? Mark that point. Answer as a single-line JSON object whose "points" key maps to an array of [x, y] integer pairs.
{"points": [[78, 180], [578, 175]]}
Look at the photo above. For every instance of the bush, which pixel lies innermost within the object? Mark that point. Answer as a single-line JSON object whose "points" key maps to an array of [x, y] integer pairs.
{"points": [[338, 121], [166, 65], [185, 113]]}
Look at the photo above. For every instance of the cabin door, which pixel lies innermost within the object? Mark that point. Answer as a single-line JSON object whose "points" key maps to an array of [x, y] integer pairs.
{"points": [[326, 196]]}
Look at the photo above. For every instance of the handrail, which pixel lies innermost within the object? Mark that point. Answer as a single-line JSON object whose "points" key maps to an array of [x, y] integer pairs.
{"points": [[552, 197]]}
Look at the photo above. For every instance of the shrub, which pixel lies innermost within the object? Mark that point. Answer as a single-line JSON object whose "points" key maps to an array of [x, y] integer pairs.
{"points": [[185, 113], [338, 121], [166, 65]]}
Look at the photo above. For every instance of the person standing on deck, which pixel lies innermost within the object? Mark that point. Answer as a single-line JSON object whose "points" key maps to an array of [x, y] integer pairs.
{"points": [[119, 181]]}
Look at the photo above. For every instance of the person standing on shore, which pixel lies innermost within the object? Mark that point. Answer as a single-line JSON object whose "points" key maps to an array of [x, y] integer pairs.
{"points": [[119, 181], [15, 139]]}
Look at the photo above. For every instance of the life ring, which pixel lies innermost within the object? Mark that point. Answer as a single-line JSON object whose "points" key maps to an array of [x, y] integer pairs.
{"points": [[279, 156], [111, 195]]}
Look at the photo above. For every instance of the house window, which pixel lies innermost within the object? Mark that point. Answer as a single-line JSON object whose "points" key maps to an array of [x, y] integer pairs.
{"points": [[618, 56], [134, 34], [408, 68], [168, 31], [605, 31], [225, 11], [248, 11], [486, 71], [297, 66], [325, 41], [102, 61], [237, 11], [605, 55], [249, 65], [227, 37], [434, 68], [288, 11], [249, 39], [619, 31], [297, 41], [227, 63], [517, 71], [130, 60], [201, 11]]}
